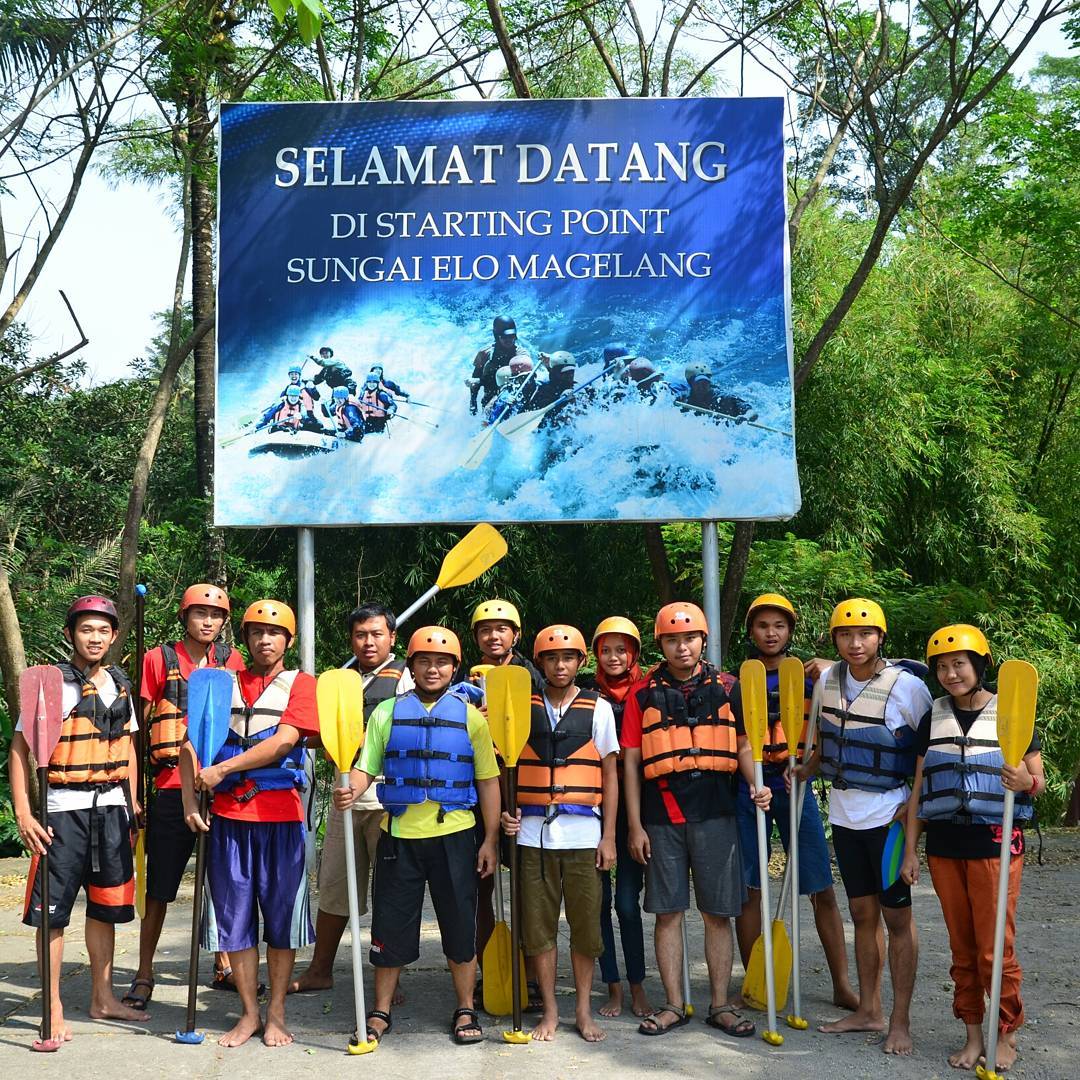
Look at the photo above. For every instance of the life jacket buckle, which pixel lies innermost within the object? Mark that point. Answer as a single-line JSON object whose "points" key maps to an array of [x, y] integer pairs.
{"points": [[557, 789]]}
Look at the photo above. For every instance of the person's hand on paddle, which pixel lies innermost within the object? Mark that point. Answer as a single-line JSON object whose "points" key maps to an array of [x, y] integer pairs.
{"points": [[194, 820], [345, 797], [815, 666], [761, 797], [34, 838], [209, 778], [510, 825], [487, 858], [909, 871], [803, 773], [605, 853], [1016, 778], [640, 848]]}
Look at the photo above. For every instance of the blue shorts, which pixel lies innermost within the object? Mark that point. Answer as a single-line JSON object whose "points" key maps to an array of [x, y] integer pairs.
{"points": [[815, 870], [253, 867]]}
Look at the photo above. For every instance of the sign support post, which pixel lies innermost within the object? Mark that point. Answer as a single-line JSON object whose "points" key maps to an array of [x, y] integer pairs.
{"points": [[305, 618], [710, 580]]}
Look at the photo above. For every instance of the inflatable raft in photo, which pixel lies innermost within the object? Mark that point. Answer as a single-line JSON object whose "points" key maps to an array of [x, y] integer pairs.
{"points": [[293, 443]]}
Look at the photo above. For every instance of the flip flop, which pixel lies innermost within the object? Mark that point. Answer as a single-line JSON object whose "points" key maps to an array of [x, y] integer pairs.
{"points": [[223, 980], [473, 1021], [662, 1029], [372, 1034], [742, 1029], [135, 1000]]}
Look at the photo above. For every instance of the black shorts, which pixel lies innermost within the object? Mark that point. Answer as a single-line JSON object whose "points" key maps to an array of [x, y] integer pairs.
{"points": [[169, 844], [858, 856], [91, 849], [447, 866]]}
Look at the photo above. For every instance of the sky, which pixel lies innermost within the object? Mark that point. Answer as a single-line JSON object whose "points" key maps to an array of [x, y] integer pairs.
{"points": [[116, 259]]}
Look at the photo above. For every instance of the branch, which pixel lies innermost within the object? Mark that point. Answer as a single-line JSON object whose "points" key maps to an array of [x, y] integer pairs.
{"points": [[601, 48], [506, 47], [669, 53]]}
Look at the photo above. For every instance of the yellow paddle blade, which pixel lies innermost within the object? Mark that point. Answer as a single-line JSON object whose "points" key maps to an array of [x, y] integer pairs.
{"points": [[140, 874], [755, 704], [792, 698], [498, 973], [509, 713], [754, 990], [479, 671], [1018, 693], [340, 697], [478, 550]]}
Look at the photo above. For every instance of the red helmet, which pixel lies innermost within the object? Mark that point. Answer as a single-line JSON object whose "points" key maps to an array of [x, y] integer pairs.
{"points": [[207, 595], [92, 605], [520, 365]]}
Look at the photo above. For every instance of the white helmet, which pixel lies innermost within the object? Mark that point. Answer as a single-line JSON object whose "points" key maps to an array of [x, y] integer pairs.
{"points": [[695, 369], [502, 376]]}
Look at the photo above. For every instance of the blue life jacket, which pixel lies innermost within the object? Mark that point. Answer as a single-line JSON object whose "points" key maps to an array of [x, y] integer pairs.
{"points": [[428, 757], [857, 748], [249, 725], [962, 772]]}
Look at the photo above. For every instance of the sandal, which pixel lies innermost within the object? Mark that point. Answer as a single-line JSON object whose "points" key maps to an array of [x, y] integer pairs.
{"points": [[472, 1023], [534, 999], [656, 1028], [223, 980], [741, 1029], [373, 1035], [135, 1000]]}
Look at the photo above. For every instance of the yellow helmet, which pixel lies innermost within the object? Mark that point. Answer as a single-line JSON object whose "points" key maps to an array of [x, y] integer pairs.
{"points": [[857, 612], [616, 624], [773, 600], [501, 610], [959, 637]]}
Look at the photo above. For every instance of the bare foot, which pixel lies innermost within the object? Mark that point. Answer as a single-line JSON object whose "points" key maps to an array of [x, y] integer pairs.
{"points": [[545, 1030], [639, 1002], [61, 1031], [845, 998], [246, 1026], [1006, 1053], [857, 1021], [588, 1028], [311, 981], [276, 1033], [898, 1041], [970, 1054], [112, 1009], [613, 1005]]}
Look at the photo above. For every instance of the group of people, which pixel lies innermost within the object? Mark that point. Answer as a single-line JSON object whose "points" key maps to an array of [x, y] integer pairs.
{"points": [[505, 381], [352, 410], [630, 780]]}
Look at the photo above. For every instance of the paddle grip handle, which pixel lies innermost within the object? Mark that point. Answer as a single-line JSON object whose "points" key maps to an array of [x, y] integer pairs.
{"points": [[46, 928], [196, 913]]}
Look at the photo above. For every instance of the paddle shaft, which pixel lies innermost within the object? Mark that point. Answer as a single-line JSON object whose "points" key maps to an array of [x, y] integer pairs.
{"points": [[515, 901], [685, 964], [46, 927], [763, 864], [196, 912], [143, 757], [354, 918], [999, 930], [795, 810], [732, 419], [416, 605]]}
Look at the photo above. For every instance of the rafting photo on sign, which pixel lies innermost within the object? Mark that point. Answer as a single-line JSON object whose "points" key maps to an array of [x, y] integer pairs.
{"points": [[469, 311]]}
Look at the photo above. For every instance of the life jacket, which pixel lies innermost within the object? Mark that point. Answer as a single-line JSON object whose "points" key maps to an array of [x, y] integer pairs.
{"points": [[857, 748], [680, 735], [168, 730], [962, 773], [428, 757], [776, 750], [372, 405], [381, 686], [559, 770], [250, 725], [339, 410], [288, 413], [95, 744]]}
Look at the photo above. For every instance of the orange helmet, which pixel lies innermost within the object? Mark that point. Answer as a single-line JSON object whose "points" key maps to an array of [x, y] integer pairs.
{"points": [[680, 618], [434, 639], [616, 624], [559, 636], [271, 613], [203, 593]]}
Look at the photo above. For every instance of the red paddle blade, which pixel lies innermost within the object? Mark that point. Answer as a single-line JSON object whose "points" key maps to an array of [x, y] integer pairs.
{"points": [[41, 709]]}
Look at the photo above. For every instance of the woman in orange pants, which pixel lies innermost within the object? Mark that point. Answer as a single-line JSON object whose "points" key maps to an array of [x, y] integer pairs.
{"points": [[957, 797]]}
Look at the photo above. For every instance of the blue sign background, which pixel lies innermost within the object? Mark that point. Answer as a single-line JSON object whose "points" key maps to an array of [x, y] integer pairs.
{"points": [[613, 451]]}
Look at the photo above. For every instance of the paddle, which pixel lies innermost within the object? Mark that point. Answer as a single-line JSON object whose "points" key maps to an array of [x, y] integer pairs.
{"points": [[142, 755], [41, 695], [480, 444], [526, 423], [892, 854], [340, 697], [756, 719], [508, 690], [732, 419], [477, 551], [1018, 692], [209, 705]]}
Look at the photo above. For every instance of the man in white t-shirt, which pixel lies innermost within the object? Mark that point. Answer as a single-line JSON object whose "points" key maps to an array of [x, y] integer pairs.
{"points": [[92, 772], [568, 792], [870, 711]]}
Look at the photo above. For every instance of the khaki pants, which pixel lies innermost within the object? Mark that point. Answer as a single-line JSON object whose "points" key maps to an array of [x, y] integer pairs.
{"points": [[333, 879], [549, 879]]}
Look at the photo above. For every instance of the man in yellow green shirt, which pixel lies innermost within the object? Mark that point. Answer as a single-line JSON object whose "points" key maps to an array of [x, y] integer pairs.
{"points": [[438, 762]]}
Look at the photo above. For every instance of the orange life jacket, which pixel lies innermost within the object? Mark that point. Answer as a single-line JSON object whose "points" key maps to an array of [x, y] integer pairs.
{"points": [[169, 727], [95, 743], [372, 405], [776, 751], [686, 735], [289, 414], [561, 766]]}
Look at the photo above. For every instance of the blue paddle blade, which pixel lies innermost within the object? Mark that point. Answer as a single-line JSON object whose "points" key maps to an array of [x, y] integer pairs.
{"points": [[892, 855], [209, 704]]}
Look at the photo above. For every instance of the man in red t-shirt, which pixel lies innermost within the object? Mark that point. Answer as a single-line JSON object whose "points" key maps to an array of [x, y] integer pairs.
{"points": [[204, 611], [255, 859]]}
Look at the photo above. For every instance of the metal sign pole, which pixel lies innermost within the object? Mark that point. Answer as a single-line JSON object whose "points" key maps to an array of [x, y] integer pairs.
{"points": [[305, 614], [710, 579]]}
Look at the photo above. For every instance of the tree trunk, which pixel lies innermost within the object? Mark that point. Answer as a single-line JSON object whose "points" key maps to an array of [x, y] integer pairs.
{"points": [[12, 652], [734, 573], [658, 560], [1072, 811]]}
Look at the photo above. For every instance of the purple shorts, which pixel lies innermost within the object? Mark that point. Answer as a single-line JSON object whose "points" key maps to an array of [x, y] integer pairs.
{"points": [[253, 867]]}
